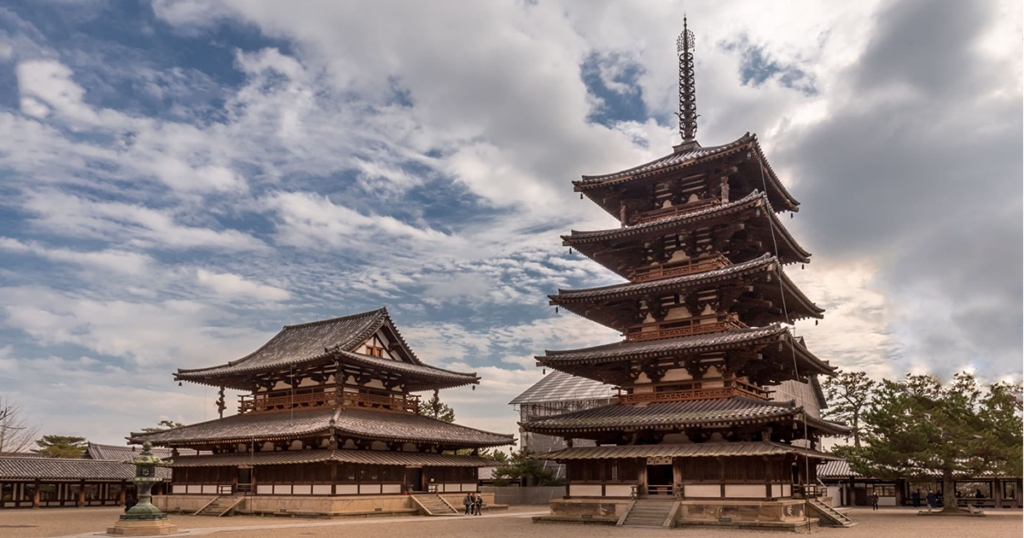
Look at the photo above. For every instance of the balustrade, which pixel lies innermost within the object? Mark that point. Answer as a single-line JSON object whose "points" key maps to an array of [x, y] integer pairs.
{"points": [[326, 396], [696, 391], [681, 209], [683, 327], [689, 267]]}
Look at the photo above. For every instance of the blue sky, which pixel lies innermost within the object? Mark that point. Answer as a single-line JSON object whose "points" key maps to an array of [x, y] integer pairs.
{"points": [[181, 178]]}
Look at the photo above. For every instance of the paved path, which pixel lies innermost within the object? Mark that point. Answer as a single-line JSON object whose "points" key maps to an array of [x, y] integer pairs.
{"points": [[366, 521]]}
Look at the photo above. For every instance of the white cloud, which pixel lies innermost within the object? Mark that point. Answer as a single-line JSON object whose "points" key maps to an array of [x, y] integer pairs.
{"points": [[234, 285], [113, 260]]}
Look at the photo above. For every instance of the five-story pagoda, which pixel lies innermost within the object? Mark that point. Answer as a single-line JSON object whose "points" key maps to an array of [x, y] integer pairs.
{"points": [[705, 319]]}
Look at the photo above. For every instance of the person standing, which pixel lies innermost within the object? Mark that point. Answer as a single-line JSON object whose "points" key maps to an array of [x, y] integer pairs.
{"points": [[931, 499], [874, 501], [479, 504], [916, 497], [467, 501]]}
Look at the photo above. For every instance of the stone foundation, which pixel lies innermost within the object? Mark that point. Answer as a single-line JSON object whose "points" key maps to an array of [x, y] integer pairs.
{"points": [[142, 528], [742, 511], [313, 505], [597, 508]]}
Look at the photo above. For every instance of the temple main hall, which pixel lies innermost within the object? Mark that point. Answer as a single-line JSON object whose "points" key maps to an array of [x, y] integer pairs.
{"points": [[707, 317], [328, 425]]}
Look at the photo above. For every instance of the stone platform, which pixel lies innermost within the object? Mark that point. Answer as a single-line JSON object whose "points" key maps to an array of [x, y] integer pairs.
{"points": [[160, 527]]}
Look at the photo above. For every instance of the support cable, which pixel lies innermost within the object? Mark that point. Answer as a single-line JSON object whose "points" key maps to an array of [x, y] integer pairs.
{"points": [[785, 311]]}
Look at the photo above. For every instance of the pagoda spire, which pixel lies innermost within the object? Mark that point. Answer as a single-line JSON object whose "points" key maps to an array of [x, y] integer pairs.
{"points": [[687, 90]]}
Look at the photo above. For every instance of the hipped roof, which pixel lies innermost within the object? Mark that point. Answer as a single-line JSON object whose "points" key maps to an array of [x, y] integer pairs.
{"points": [[693, 450], [320, 341], [22, 468], [365, 457], [359, 423]]}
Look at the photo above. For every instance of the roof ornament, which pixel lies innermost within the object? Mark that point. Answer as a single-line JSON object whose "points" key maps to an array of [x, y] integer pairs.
{"points": [[687, 90]]}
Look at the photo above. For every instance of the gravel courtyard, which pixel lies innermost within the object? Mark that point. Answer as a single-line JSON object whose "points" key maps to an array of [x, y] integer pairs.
{"points": [[515, 523]]}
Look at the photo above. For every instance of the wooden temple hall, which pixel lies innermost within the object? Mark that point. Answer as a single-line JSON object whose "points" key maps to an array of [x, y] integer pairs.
{"points": [[705, 314], [328, 417]]}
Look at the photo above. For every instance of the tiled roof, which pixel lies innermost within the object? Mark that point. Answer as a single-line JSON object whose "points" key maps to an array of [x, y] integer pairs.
{"points": [[799, 304], [367, 457], [127, 452], [765, 262], [21, 468], [668, 161], [837, 469], [653, 348], [691, 450], [829, 426], [414, 428], [562, 387], [315, 341], [665, 415], [362, 423], [244, 427], [580, 239], [682, 159], [437, 378]]}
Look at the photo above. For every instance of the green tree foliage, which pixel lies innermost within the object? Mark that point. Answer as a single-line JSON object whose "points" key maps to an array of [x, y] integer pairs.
{"points": [[435, 408], [163, 425], [848, 393], [520, 469], [60, 446], [920, 427]]}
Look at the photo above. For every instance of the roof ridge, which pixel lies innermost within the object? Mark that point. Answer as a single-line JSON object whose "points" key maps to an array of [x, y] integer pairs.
{"points": [[368, 313]]}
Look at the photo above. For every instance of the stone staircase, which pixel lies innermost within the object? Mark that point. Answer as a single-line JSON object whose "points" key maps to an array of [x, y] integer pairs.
{"points": [[220, 505], [434, 505], [648, 513], [828, 516]]}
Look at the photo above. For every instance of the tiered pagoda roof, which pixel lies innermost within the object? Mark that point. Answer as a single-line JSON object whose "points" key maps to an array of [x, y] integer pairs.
{"points": [[317, 343], [691, 450], [605, 189]]}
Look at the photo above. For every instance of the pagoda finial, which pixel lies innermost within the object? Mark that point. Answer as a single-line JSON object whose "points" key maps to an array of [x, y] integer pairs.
{"points": [[687, 90]]}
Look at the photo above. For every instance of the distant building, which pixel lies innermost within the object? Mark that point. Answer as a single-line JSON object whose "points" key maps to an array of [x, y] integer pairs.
{"points": [[98, 478], [854, 489], [557, 393]]}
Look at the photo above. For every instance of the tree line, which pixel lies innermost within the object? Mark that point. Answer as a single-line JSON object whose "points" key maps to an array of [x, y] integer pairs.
{"points": [[920, 427]]}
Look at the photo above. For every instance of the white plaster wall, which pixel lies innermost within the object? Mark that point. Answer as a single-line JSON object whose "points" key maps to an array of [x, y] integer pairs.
{"points": [[468, 487], [208, 490], [679, 312], [787, 490], [378, 445], [703, 490], [584, 490], [745, 490], [617, 491], [887, 501], [283, 490], [346, 489], [179, 489], [194, 489], [676, 374], [369, 488], [264, 490], [302, 489], [391, 488], [320, 489]]}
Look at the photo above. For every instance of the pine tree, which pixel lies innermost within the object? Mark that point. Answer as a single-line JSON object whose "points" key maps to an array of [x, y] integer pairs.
{"points": [[61, 446], [848, 394], [920, 427], [435, 408]]}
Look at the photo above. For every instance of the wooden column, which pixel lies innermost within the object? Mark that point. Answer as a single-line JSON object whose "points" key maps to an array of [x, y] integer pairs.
{"points": [[124, 491], [768, 477], [81, 493], [35, 496], [721, 475], [334, 478], [677, 477]]}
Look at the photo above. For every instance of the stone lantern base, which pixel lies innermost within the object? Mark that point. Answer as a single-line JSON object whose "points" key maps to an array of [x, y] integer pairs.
{"points": [[143, 528]]}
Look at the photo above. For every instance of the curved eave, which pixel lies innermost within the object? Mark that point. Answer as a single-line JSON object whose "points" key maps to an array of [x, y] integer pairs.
{"points": [[553, 429], [746, 142], [438, 377], [581, 240]]}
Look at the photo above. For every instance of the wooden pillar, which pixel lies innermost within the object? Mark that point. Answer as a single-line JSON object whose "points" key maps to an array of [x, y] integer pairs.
{"points": [[81, 493], [768, 477], [334, 478], [35, 496], [997, 492], [677, 477], [124, 488], [721, 475]]}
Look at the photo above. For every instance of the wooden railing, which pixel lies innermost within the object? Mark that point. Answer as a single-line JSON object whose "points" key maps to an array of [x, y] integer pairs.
{"points": [[327, 396], [683, 327], [659, 490], [695, 390], [658, 214], [689, 267], [808, 491]]}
